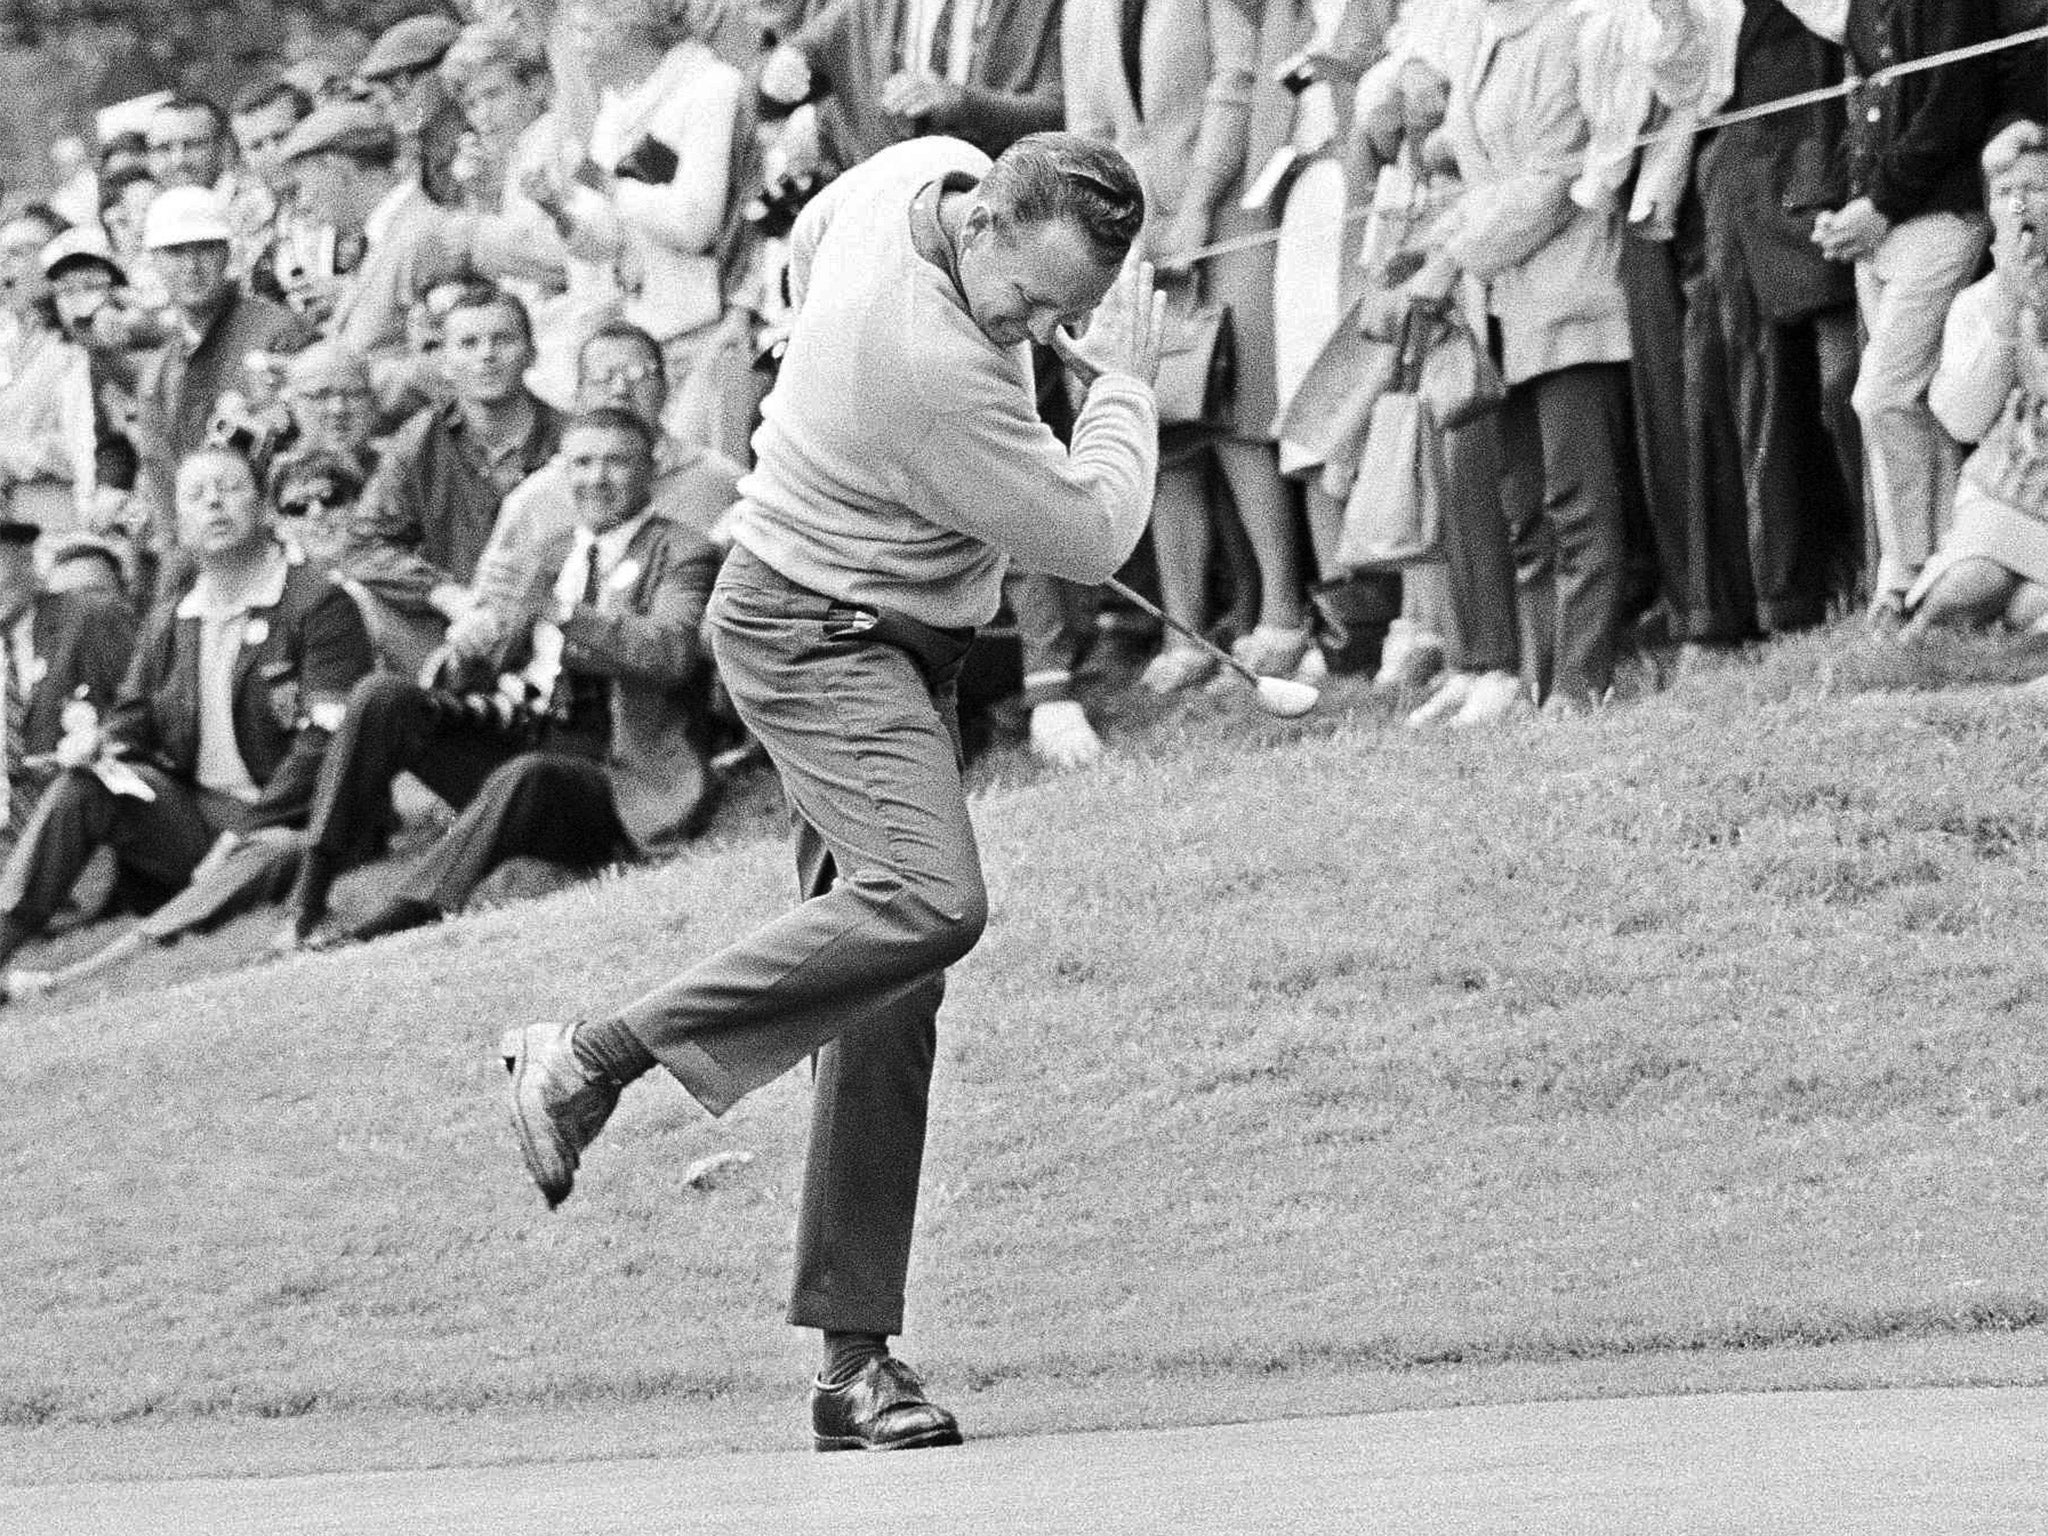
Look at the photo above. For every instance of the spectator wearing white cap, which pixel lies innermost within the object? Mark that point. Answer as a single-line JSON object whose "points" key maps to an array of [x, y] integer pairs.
{"points": [[219, 329], [97, 312], [46, 468]]}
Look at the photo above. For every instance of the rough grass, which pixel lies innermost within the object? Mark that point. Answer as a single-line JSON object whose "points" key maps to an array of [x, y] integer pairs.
{"points": [[1715, 1023]]}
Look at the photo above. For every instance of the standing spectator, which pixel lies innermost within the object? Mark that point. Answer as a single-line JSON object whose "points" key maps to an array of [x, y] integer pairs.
{"points": [[401, 72], [276, 244], [46, 401], [1551, 270], [1783, 325], [188, 143], [426, 518], [1914, 227], [670, 124], [345, 162], [221, 722], [498, 75], [219, 328], [889, 70], [125, 196], [1169, 83]]}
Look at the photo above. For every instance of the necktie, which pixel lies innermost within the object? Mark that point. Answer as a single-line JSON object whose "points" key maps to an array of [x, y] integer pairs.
{"points": [[1132, 40], [942, 40]]}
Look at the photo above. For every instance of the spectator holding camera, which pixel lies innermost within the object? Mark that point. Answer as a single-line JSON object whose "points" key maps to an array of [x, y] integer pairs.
{"points": [[222, 719], [221, 341], [1992, 390], [572, 731]]}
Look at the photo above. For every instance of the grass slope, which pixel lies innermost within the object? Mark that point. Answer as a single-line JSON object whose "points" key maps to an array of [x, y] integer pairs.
{"points": [[1713, 1023]]}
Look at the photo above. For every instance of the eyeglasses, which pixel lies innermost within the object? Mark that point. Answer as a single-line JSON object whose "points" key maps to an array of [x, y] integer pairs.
{"points": [[630, 375]]}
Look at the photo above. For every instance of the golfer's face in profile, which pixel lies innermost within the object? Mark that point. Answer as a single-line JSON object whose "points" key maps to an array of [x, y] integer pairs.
{"points": [[1025, 281]]}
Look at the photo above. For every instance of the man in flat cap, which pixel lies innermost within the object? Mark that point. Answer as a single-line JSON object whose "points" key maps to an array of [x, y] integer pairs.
{"points": [[402, 71], [220, 327], [346, 162]]}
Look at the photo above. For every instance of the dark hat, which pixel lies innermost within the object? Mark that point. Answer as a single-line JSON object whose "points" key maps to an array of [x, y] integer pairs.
{"points": [[414, 44], [342, 125], [15, 532]]}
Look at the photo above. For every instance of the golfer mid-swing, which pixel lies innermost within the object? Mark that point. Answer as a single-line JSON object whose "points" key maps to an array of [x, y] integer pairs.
{"points": [[901, 465]]}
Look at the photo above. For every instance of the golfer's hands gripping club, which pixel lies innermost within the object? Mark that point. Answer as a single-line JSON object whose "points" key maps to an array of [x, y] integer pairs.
{"points": [[1124, 335]]}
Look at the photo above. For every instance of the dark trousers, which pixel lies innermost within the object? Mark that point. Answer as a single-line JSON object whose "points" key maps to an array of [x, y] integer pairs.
{"points": [[1776, 558], [1478, 559], [156, 843], [1673, 473], [540, 805], [393, 726], [1568, 453], [863, 733], [1055, 627]]}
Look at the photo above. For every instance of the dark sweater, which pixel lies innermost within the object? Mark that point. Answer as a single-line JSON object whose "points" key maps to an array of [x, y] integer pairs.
{"points": [[1913, 143]]}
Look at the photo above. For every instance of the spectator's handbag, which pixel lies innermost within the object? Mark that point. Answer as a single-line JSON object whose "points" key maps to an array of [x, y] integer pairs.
{"points": [[1394, 515], [1197, 368], [1459, 380], [1323, 422]]}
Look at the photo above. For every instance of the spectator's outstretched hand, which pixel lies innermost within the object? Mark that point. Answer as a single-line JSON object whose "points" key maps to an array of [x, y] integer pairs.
{"points": [[786, 76], [1126, 332]]}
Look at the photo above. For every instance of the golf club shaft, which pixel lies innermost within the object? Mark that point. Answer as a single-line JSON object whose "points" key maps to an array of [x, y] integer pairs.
{"points": [[1179, 628]]}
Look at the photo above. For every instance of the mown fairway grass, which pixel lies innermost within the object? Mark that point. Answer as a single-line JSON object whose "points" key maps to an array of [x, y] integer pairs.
{"points": [[1297, 1060]]}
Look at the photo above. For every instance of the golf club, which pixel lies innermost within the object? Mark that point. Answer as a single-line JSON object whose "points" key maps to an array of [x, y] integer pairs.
{"points": [[1280, 696]]}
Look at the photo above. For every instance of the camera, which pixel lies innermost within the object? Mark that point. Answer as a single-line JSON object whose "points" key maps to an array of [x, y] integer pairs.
{"points": [[772, 211]]}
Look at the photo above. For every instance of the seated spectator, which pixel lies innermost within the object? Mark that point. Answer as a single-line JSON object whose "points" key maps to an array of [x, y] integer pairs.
{"points": [[429, 513], [672, 123], [345, 163], [220, 724], [575, 735], [327, 390], [1991, 389], [58, 650], [46, 401], [220, 327], [619, 366], [315, 491]]}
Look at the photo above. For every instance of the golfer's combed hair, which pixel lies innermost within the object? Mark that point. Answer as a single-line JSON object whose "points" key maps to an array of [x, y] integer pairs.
{"points": [[1062, 175]]}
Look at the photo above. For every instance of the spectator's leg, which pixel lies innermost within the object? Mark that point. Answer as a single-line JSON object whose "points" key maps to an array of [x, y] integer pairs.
{"points": [[1722, 385], [1280, 638], [1583, 416], [1905, 290], [1660, 318], [1801, 512], [1529, 535], [1838, 349], [1479, 563], [1180, 545], [161, 839], [542, 805], [1970, 591]]}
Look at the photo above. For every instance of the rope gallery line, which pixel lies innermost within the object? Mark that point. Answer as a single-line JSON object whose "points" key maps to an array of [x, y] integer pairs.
{"points": [[1848, 87]]}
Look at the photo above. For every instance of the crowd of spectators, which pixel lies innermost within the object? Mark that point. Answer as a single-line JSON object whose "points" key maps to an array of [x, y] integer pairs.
{"points": [[384, 419]]}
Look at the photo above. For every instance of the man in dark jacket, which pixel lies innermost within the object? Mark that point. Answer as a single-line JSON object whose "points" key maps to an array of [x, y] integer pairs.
{"points": [[575, 734], [222, 720], [60, 652], [1914, 227], [1780, 320], [220, 328]]}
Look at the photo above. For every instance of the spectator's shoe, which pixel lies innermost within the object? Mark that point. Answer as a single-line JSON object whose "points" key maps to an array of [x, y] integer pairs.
{"points": [[1273, 652], [883, 1408], [1448, 700], [1176, 668], [1495, 698], [1410, 658], [1886, 614], [1061, 736], [558, 1104]]}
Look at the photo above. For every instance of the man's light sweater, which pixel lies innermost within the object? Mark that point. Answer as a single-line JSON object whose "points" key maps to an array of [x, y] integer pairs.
{"points": [[900, 459]]}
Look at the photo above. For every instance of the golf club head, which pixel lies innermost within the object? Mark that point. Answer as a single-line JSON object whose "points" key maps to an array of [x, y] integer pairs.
{"points": [[1286, 698]]}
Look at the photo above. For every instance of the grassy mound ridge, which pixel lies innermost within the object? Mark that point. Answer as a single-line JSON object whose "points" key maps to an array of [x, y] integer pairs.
{"points": [[1710, 1023]]}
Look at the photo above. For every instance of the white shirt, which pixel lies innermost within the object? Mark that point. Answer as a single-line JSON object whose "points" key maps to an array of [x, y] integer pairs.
{"points": [[378, 224], [225, 626], [606, 552]]}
